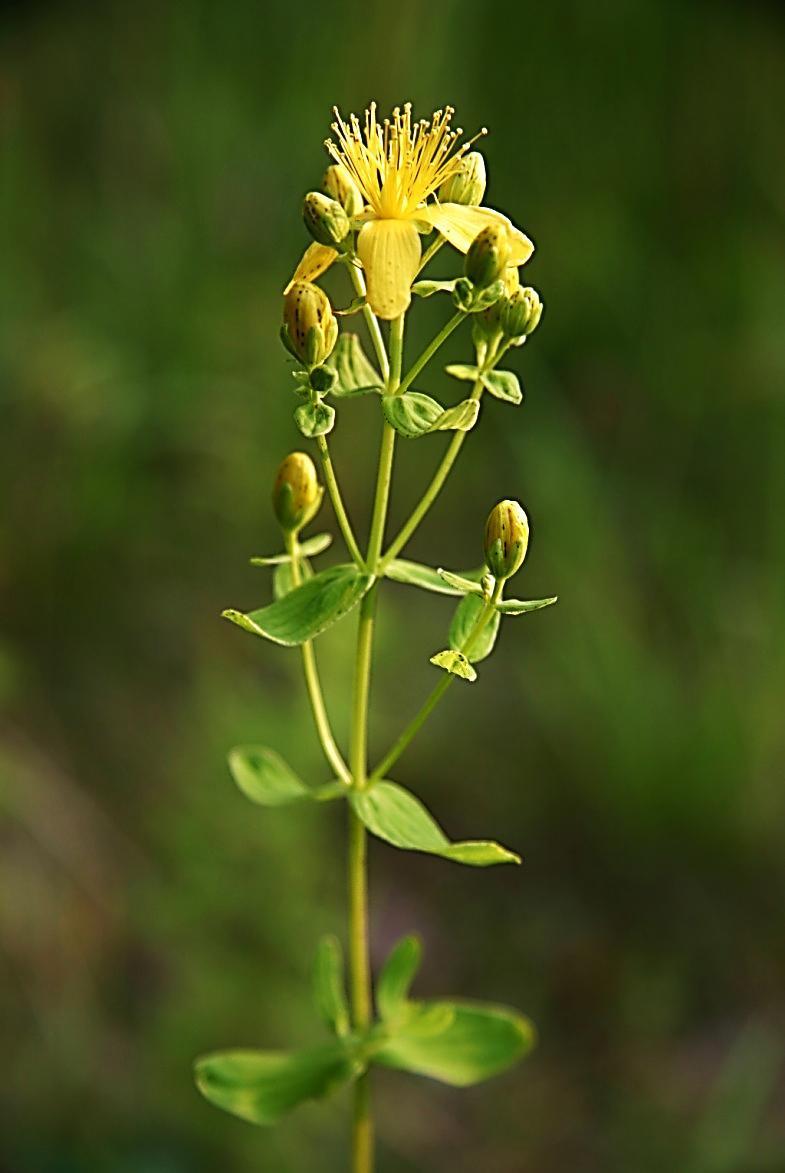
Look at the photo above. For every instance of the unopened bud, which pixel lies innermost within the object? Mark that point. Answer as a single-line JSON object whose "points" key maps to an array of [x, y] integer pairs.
{"points": [[325, 219], [310, 328], [506, 539], [521, 312], [488, 255], [467, 184], [340, 186], [297, 493]]}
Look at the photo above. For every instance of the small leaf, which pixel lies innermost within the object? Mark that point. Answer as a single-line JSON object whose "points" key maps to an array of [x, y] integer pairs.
{"points": [[395, 815], [392, 986], [455, 663], [416, 574], [264, 777], [283, 578], [477, 1042], [464, 620], [354, 307], [460, 418], [462, 583], [411, 414], [460, 370], [315, 419], [329, 987], [262, 1086], [521, 606], [356, 374], [308, 549], [504, 385], [309, 609], [428, 288]]}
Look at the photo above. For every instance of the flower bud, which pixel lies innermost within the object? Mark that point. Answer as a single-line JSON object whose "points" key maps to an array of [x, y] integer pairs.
{"points": [[340, 186], [310, 328], [297, 493], [521, 312], [488, 255], [467, 184], [325, 219], [486, 326], [506, 539]]}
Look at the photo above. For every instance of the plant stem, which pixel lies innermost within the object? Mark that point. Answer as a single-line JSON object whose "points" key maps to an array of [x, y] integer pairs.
{"points": [[312, 682], [430, 351], [371, 321], [359, 958], [431, 252], [339, 508]]}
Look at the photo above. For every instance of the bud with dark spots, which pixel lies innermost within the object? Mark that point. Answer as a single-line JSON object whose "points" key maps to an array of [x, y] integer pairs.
{"points": [[488, 255], [340, 186], [297, 493], [310, 329], [325, 219], [467, 184], [521, 313], [506, 539]]}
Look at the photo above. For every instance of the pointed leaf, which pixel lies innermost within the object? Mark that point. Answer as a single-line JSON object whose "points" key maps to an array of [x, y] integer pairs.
{"points": [[455, 663], [479, 1041], [309, 609], [392, 986], [460, 418], [355, 373], [315, 419], [463, 623], [395, 815], [308, 549], [329, 986], [416, 574], [504, 385], [521, 606], [465, 371], [463, 583], [264, 776], [262, 1086], [428, 288]]}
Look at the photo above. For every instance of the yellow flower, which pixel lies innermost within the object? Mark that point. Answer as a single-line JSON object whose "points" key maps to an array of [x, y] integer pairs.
{"points": [[398, 166]]}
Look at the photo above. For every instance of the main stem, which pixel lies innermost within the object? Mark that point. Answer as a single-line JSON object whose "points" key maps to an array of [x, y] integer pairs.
{"points": [[359, 954]]}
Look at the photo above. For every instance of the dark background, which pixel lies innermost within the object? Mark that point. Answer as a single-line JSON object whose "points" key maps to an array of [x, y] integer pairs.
{"points": [[629, 742]]}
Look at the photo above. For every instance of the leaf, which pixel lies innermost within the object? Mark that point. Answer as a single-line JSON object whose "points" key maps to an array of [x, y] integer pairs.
{"points": [[262, 1086], [460, 370], [356, 374], [464, 620], [309, 609], [521, 606], [329, 986], [428, 288], [478, 1041], [315, 419], [414, 414], [462, 583], [460, 418], [455, 663], [264, 776], [308, 549], [504, 385], [416, 574], [354, 307], [283, 579], [395, 815], [392, 985]]}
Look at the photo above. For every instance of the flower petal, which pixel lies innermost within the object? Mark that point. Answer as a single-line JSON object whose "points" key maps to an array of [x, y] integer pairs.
{"points": [[460, 223], [390, 254], [315, 260]]}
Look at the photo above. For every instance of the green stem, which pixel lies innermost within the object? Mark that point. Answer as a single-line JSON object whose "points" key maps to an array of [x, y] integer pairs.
{"points": [[359, 959], [312, 682], [430, 351], [339, 508], [419, 719], [431, 252], [371, 321]]}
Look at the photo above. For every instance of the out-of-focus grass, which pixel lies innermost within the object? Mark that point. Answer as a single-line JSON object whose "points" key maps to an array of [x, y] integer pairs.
{"points": [[630, 741]]}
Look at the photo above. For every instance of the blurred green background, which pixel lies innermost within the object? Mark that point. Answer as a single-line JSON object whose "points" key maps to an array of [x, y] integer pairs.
{"points": [[630, 742]]}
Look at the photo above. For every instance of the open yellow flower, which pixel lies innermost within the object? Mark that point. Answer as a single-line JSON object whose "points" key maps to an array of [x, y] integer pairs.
{"points": [[398, 165]]}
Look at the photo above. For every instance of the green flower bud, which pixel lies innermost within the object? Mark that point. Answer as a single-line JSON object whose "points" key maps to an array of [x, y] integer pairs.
{"points": [[467, 184], [310, 328], [488, 255], [506, 539], [486, 326], [340, 186], [297, 493], [325, 219], [521, 312]]}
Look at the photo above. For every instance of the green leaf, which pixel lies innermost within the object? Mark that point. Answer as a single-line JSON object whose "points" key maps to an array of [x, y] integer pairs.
{"points": [[504, 385], [354, 307], [455, 663], [416, 574], [264, 777], [283, 580], [356, 374], [262, 1086], [460, 418], [395, 815], [478, 1041], [308, 549], [466, 615], [329, 987], [392, 986], [315, 419], [463, 584], [309, 609], [428, 288], [414, 414], [459, 370], [521, 606]]}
